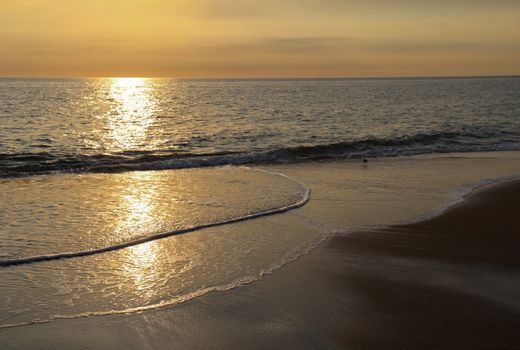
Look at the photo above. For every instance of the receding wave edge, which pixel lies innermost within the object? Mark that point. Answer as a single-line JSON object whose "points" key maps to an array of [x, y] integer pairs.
{"points": [[48, 257]]}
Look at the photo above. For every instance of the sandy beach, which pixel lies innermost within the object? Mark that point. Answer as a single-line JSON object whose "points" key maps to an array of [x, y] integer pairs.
{"points": [[449, 282], [226, 174]]}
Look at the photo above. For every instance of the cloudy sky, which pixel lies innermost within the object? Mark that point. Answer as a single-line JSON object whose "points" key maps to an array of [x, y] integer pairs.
{"points": [[206, 38]]}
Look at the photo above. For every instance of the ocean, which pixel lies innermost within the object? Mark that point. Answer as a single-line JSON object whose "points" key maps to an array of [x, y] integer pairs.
{"points": [[122, 196], [88, 125]]}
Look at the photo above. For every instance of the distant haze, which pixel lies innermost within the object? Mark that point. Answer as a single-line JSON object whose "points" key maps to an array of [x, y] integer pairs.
{"points": [[208, 38]]}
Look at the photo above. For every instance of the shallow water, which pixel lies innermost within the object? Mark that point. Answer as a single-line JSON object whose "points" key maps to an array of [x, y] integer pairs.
{"points": [[345, 197], [65, 213]]}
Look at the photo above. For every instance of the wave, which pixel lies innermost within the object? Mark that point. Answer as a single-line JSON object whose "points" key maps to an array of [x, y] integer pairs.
{"points": [[14, 165], [291, 256], [325, 231], [75, 254]]}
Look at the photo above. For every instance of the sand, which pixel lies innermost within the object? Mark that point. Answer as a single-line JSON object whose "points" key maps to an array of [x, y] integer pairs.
{"points": [[451, 282]]}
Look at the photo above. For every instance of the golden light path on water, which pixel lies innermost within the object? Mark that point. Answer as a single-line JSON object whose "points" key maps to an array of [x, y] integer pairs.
{"points": [[129, 120], [140, 208], [128, 127], [104, 210]]}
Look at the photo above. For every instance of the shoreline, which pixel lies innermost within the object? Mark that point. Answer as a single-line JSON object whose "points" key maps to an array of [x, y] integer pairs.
{"points": [[306, 192], [462, 195], [410, 286], [346, 293], [255, 164]]}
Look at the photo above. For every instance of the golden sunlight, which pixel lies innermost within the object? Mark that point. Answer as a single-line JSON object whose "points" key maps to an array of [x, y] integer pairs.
{"points": [[130, 115], [210, 38], [139, 205], [141, 267]]}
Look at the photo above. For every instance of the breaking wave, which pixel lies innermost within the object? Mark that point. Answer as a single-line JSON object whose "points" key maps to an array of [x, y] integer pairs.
{"points": [[13, 165]]}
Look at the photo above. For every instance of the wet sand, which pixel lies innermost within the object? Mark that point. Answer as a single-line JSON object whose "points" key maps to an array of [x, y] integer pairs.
{"points": [[451, 282], [448, 282]]}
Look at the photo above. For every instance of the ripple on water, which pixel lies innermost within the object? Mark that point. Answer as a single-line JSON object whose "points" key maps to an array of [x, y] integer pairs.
{"points": [[157, 273]]}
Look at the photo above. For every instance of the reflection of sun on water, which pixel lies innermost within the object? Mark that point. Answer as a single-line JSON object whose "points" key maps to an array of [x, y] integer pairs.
{"points": [[141, 267], [139, 207], [132, 114]]}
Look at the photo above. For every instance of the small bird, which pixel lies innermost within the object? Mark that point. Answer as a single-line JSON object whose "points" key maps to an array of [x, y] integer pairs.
{"points": [[365, 162]]}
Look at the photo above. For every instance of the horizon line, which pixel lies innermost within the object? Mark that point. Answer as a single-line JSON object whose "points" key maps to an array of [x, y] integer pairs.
{"points": [[514, 75]]}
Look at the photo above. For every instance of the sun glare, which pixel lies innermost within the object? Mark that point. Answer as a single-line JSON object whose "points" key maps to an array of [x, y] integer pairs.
{"points": [[131, 114], [139, 205]]}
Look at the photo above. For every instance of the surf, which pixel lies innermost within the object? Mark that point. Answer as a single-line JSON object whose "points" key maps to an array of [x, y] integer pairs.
{"points": [[304, 197]]}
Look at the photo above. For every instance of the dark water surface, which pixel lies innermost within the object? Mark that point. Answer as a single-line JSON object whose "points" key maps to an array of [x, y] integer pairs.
{"points": [[118, 124]]}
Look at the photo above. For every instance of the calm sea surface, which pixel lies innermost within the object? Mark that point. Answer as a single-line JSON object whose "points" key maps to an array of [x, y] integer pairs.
{"points": [[119, 124]]}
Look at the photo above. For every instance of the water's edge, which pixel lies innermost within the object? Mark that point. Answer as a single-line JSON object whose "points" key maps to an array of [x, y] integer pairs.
{"points": [[458, 197], [69, 255]]}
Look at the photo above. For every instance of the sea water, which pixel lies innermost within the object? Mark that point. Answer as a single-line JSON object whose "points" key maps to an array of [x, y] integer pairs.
{"points": [[123, 124], [97, 166]]}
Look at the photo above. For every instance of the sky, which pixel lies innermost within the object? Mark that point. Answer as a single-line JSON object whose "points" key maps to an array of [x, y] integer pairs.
{"points": [[268, 38]]}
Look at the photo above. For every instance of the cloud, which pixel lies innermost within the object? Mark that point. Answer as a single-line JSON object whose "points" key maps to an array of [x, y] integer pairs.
{"points": [[349, 44], [238, 9], [257, 36]]}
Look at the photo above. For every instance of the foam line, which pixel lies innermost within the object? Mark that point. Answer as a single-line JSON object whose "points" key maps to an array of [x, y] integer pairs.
{"points": [[25, 164], [240, 282], [69, 255], [325, 232]]}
